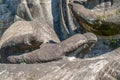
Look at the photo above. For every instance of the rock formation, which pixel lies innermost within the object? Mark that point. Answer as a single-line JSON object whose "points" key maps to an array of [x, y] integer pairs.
{"points": [[100, 17], [24, 36], [76, 44], [66, 18], [105, 67]]}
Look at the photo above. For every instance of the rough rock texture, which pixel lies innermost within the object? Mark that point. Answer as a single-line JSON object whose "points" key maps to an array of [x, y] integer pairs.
{"points": [[102, 13], [31, 10], [12, 10], [105, 67], [77, 44], [41, 30], [100, 17], [25, 36], [49, 11]]}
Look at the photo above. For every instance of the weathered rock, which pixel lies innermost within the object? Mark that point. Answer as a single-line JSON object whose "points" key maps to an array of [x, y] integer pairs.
{"points": [[76, 44], [32, 10], [27, 10], [101, 18], [23, 35], [105, 67], [48, 10], [86, 12]]}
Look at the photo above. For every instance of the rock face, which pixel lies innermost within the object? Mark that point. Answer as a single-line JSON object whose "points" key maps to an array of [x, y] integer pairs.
{"points": [[76, 16], [101, 14], [76, 44], [29, 10], [105, 67], [24, 35], [98, 16]]}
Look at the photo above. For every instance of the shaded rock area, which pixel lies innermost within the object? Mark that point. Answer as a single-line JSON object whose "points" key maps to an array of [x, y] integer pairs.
{"points": [[7, 13], [6, 18]]}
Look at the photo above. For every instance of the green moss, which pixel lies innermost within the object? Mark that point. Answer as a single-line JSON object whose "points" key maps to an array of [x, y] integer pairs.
{"points": [[114, 43], [106, 29], [23, 63]]}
